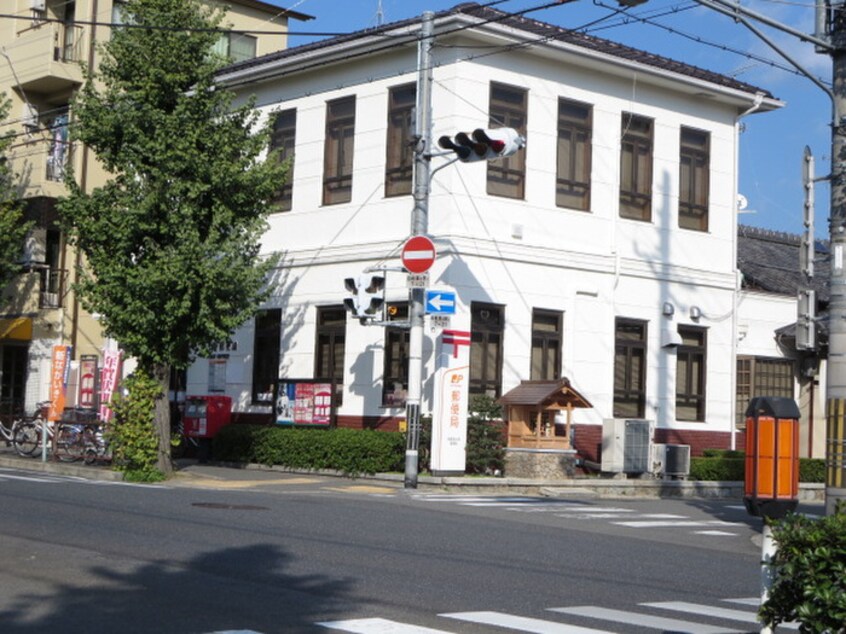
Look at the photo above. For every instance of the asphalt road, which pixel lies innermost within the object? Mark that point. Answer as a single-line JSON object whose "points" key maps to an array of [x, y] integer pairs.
{"points": [[286, 553]]}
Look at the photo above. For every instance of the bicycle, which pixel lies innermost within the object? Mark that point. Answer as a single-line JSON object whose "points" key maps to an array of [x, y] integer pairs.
{"points": [[17, 435]]}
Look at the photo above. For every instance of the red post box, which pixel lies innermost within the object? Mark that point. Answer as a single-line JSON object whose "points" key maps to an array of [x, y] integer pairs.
{"points": [[771, 487], [205, 415]]}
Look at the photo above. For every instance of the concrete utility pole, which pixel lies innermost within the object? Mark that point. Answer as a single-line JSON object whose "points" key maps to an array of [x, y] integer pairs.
{"points": [[836, 370], [419, 227]]}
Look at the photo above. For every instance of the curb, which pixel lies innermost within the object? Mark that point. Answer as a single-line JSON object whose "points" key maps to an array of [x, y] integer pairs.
{"points": [[76, 469]]}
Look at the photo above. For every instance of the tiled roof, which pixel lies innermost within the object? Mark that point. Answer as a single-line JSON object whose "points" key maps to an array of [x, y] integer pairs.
{"points": [[769, 261], [545, 393], [541, 31]]}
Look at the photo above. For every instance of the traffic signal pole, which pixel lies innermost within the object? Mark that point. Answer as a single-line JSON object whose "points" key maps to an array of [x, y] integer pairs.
{"points": [[419, 227]]}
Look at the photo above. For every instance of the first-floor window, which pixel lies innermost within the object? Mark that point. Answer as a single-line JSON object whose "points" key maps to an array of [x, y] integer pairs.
{"points": [[266, 354], [629, 368], [395, 382], [486, 326], [691, 358], [546, 345], [330, 340], [761, 376]]}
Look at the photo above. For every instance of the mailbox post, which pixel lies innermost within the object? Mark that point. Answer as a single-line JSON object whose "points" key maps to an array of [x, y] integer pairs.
{"points": [[771, 486]]}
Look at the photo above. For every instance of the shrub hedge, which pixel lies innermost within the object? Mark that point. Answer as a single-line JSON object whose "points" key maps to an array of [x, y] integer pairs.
{"points": [[350, 451], [728, 465]]}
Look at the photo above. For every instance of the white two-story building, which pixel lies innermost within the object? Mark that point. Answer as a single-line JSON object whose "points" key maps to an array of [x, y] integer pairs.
{"points": [[604, 252]]}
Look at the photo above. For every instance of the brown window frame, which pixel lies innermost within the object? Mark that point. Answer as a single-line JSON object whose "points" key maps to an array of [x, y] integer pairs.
{"points": [[691, 373], [283, 138], [694, 178], [266, 349], [573, 168], [339, 150], [508, 108], [399, 160], [637, 139], [395, 362], [487, 327], [330, 337], [630, 385], [762, 376], [546, 343]]}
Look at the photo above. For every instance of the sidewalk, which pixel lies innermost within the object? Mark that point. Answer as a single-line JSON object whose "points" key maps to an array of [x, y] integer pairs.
{"points": [[593, 487]]}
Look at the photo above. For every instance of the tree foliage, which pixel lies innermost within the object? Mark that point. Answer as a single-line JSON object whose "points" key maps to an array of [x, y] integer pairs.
{"points": [[13, 229], [172, 239]]}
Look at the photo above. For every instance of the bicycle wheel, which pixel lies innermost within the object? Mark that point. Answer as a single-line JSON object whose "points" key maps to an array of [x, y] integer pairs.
{"points": [[26, 438], [69, 443]]}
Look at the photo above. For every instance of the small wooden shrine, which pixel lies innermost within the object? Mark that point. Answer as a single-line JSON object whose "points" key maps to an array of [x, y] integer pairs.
{"points": [[531, 408]]}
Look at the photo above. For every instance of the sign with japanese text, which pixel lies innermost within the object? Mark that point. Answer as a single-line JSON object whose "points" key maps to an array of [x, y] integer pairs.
{"points": [[88, 381], [449, 416], [108, 381], [59, 371], [303, 402]]}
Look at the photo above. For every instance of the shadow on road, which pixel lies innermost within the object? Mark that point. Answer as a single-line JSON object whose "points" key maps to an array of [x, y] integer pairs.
{"points": [[238, 589]]}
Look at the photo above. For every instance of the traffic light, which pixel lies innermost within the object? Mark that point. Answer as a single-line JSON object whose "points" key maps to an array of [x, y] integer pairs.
{"points": [[368, 295], [484, 145]]}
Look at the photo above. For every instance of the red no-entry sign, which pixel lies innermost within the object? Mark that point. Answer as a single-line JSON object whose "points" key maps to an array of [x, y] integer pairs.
{"points": [[418, 254]]}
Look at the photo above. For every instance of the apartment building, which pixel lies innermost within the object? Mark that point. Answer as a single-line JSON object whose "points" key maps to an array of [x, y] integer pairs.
{"points": [[47, 44], [603, 253]]}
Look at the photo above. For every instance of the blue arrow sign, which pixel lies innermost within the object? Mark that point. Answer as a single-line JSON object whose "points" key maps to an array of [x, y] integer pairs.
{"points": [[440, 303]]}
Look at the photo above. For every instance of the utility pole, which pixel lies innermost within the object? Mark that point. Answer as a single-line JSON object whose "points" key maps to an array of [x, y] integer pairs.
{"points": [[419, 227], [835, 490]]}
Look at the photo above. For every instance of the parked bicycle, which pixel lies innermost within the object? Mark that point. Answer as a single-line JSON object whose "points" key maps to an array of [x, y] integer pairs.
{"points": [[18, 435], [69, 440]]}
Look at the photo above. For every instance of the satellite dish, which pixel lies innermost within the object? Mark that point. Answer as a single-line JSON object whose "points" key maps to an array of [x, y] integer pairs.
{"points": [[742, 203]]}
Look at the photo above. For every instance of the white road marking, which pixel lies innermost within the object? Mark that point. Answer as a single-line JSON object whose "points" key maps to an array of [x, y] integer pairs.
{"points": [[674, 524], [709, 610], [522, 623], [716, 533], [644, 620], [378, 626]]}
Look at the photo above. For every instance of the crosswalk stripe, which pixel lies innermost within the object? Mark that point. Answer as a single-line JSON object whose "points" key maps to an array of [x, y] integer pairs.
{"points": [[522, 623], [753, 601], [9, 476], [645, 620], [661, 523], [716, 533], [709, 610], [378, 626]]}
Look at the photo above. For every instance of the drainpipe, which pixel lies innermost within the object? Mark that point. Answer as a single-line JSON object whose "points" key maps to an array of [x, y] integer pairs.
{"points": [[759, 98]]}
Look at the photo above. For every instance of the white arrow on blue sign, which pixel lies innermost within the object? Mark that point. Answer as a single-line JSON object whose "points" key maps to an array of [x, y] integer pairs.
{"points": [[440, 303]]}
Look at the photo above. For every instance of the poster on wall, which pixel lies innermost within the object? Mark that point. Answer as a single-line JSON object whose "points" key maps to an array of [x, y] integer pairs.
{"points": [[306, 402]]}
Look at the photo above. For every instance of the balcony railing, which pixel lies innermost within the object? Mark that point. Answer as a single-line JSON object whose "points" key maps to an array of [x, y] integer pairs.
{"points": [[52, 287]]}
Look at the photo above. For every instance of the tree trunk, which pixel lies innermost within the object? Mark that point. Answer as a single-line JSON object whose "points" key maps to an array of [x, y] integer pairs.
{"points": [[162, 374]]}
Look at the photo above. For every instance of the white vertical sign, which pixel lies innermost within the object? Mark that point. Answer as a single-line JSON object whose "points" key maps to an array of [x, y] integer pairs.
{"points": [[449, 418]]}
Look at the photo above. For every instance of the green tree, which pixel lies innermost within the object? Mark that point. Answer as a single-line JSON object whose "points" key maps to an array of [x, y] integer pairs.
{"points": [[172, 239], [13, 229]]}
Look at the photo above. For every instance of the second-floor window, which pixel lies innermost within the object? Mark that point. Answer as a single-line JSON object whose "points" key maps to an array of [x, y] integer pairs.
{"points": [[338, 151], [629, 368], [236, 47], [636, 140], [546, 345], [486, 326], [283, 139], [694, 160], [574, 155], [507, 177], [399, 165], [691, 358]]}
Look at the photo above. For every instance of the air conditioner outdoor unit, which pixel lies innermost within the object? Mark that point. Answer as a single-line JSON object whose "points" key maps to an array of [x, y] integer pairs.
{"points": [[626, 445], [38, 5], [677, 461]]}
